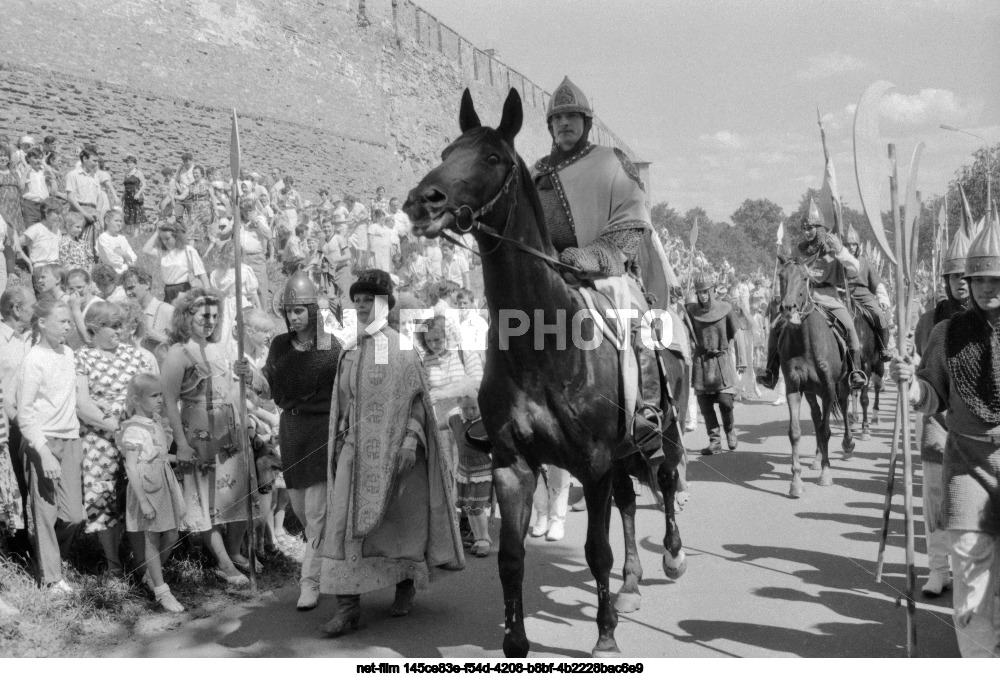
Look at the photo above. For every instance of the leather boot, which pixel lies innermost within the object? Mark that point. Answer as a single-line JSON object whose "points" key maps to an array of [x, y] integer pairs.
{"points": [[857, 378], [405, 592], [645, 437], [883, 336], [347, 618], [768, 377]]}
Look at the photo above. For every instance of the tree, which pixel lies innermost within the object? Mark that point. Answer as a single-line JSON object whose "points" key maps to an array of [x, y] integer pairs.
{"points": [[758, 220]]}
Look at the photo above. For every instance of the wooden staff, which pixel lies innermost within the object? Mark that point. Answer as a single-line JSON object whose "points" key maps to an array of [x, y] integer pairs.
{"points": [[234, 169], [903, 410], [693, 239], [890, 489]]}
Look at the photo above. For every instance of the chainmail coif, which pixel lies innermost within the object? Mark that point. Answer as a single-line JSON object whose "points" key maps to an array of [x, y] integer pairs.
{"points": [[973, 349]]}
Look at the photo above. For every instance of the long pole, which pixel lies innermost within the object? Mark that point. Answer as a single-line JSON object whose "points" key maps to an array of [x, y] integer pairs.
{"points": [[234, 166], [890, 489], [903, 410]]}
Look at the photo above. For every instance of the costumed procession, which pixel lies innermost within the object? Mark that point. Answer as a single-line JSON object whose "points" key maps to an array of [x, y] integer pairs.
{"points": [[462, 407]]}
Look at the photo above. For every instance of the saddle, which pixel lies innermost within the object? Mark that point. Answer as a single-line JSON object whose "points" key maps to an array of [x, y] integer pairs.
{"points": [[840, 332]]}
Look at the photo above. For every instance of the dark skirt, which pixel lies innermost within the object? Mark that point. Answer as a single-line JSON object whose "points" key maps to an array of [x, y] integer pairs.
{"points": [[303, 438], [172, 291]]}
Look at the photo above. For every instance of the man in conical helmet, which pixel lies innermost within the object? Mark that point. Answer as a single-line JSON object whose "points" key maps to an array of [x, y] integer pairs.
{"points": [[831, 265], [868, 291], [712, 374], [595, 211], [300, 369], [932, 435], [958, 375]]}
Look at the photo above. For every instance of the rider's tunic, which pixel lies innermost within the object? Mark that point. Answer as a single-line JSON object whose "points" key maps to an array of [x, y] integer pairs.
{"points": [[829, 272]]}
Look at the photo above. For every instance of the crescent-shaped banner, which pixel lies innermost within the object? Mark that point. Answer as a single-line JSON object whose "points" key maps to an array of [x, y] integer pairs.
{"points": [[910, 227], [869, 166]]}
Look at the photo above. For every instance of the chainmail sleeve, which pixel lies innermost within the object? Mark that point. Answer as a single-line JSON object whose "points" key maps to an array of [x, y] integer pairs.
{"points": [[607, 254]]}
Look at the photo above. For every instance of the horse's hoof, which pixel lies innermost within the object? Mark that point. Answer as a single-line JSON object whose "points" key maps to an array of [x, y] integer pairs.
{"points": [[865, 436], [628, 602], [817, 463], [674, 567], [797, 489], [826, 478], [515, 648], [848, 447], [606, 650]]}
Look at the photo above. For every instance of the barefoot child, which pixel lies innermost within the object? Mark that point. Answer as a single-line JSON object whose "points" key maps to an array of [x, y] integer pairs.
{"points": [[475, 472], [154, 503]]}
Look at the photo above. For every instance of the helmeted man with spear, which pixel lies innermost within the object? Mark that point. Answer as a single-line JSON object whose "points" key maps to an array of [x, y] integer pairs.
{"points": [[830, 265]]}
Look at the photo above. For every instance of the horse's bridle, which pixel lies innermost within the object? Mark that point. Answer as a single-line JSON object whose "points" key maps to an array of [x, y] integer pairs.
{"points": [[809, 306], [468, 220]]}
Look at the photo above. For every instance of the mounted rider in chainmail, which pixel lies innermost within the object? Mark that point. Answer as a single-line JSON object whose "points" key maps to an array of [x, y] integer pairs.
{"points": [[596, 216]]}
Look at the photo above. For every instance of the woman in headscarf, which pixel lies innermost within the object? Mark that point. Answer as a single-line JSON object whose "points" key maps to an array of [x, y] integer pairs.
{"points": [[391, 514]]}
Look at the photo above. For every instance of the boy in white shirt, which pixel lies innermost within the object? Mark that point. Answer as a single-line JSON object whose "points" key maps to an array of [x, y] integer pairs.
{"points": [[36, 190], [42, 239], [112, 247]]}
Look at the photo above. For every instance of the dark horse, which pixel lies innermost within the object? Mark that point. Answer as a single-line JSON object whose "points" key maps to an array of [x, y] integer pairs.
{"points": [[813, 365], [543, 398], [871, 365]]}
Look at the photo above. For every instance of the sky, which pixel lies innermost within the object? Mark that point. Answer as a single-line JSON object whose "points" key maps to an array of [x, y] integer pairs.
{"points": [[721, 96]]}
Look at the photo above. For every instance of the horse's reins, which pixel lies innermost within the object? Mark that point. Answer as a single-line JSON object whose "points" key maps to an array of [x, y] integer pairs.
{"points": [[468, 220]]}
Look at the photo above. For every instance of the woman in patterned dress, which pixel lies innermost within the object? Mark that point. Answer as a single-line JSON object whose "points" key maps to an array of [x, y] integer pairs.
{"points": [[198, 391], [10, 192], [104, 371], [202, 214]]}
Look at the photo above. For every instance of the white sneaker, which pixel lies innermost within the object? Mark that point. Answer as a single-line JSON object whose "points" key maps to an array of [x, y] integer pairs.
{"points": [[556, 532], [61, 588], [166, 599], [308, 597], [778, 402], [937, 582], [539, 528]]}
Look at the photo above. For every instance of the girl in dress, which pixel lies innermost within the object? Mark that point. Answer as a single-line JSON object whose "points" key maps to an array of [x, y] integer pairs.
{"points": [[154, 503]]}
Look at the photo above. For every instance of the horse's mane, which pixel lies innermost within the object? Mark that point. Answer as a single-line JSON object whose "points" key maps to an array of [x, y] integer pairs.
{"points": [[532, 193]]}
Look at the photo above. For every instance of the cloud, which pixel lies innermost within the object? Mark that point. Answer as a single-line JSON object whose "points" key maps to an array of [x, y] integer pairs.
{"points": [[724, 138], [830, 64], [929, 106]]}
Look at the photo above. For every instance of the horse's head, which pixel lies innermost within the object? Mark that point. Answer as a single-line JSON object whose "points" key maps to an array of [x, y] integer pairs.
{"points": [[475, 172], [794, 281]]}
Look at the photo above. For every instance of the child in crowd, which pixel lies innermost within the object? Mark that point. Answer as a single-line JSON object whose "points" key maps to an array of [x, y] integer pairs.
{"points": [[81, 297], [50, 444], [74, 250], [42, 239], [112, 247], [106, 280], [154, 503], [475, 471], [49, 281], [293, 256]]}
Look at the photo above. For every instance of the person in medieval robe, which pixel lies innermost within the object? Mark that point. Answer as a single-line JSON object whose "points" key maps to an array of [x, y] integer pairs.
{"points": [[868, 291], [830, 264], [712, 376], [595, 211], [390, 509], [932, 430], [960, 376]]}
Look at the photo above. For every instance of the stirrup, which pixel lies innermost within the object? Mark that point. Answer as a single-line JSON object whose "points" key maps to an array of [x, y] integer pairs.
{"points": [[864, 378], [647, 429]]}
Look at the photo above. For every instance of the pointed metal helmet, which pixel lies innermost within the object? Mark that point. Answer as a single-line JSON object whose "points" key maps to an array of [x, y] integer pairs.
{"points": [[568, 98], [813, 216], [954, 258], [983, 259], [852, 236], [300, 290], [703, 281]]}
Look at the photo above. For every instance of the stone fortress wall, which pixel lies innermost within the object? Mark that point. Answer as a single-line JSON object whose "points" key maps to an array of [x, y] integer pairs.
{"points": [[347, 94]]}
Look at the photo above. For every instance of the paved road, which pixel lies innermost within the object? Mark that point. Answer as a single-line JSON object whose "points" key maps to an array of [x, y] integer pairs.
{"points": [[767, 576]]}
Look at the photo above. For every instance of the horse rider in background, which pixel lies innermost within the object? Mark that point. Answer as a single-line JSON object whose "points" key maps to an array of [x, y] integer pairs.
{"points": [[868, 291]]}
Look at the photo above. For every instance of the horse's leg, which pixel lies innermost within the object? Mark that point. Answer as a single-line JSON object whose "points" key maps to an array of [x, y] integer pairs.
{"points": [[515, 485], [817, 416], [823, 438], [794, 435], [878, 391], [601, 559], [865, 429], [843, 393], [674, 559], [628, 599]]}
